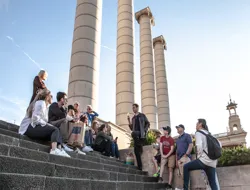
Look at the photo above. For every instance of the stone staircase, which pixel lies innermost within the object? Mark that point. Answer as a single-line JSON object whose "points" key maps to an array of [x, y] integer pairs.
{"points": [[25, 164]]}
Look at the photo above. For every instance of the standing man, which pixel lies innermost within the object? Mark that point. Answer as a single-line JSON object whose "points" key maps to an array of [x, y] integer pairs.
{"points": [[139, 127], [207, 147], [167, 155], [184, 148]]}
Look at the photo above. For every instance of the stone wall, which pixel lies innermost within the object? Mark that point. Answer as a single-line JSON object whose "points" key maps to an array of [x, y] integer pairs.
{"points": [[230, 178]]}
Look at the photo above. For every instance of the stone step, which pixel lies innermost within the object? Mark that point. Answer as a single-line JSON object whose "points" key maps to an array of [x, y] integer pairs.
{"points": [[13, 148], [9, 126], [10, 181], [7, 130], [28, 166], [6, 137]]}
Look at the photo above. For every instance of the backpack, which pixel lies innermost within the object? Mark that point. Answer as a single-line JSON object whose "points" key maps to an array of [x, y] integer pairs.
{"points": [[213, 146]]}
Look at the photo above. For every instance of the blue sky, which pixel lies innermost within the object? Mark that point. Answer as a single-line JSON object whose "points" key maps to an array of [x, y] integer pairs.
{"points": [[207, 58]]}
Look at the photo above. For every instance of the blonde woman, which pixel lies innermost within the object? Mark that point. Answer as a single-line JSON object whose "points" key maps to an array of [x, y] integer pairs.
{"points": [[39, 128], [38, 83]]}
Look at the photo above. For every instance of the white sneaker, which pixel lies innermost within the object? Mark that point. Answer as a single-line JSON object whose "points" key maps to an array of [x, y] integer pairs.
{"points": [[87, 149], [78, 151], [178, 189], [63, 153], [66, 148], [58, 152]]}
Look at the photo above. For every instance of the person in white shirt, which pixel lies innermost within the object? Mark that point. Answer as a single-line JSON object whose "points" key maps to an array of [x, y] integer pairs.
{"points": [[35, 124], [203, 162]]}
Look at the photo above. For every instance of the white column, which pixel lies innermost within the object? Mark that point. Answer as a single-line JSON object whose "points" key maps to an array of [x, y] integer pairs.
{"points": [[148, 99], [85, 57], [161, 82], [125, 96]]}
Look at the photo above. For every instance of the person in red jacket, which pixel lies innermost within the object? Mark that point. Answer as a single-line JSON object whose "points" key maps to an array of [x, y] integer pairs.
{"points": [[38, 83]]}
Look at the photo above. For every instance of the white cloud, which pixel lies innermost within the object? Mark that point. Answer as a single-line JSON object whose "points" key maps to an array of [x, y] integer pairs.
{"points": [[111, 49], [19, 104], [106, 47], [26, 54], [13, 109]]}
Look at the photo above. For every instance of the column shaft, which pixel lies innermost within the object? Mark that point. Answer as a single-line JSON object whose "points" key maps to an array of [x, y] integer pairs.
{"points": [[161, 83], [148, 98], [124, 62], [84, 65]]}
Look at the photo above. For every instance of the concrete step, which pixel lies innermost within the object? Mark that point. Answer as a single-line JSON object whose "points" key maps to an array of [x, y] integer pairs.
{"points": [[13, 148], [6, 137], [9, 126], [10, 181], [95, 156], [28, 166]]}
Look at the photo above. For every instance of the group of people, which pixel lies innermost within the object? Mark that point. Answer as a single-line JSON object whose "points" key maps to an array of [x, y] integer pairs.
{"points": [[68, 129], [65, 126], [177, 154]]}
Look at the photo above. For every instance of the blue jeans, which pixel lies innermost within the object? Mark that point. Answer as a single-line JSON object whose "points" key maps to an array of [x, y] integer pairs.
{"points": [[198, 165], [88, 138], [115, 151]]}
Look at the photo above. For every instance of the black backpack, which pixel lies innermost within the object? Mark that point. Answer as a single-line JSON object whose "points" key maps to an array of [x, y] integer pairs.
{"points": [[213, 146]]}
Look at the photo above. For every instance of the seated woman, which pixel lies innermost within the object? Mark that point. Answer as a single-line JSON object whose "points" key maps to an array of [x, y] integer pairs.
{"points": [[114, 147], [103, 141], [91, 114], [95, 126], [77, 109], [39, 128]]}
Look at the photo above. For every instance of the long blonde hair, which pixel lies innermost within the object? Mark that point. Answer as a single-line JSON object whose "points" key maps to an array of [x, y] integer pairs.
{"points": [[41, 95], [41, 73]]}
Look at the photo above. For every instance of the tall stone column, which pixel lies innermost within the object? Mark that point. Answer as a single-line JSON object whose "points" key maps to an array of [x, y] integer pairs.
{"points": [[161, 82], [84, 65], [125, 96], [148, 100]]}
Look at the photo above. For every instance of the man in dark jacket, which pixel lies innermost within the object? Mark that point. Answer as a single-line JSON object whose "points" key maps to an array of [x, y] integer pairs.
{"points": [[57, 117], [139, 127]]}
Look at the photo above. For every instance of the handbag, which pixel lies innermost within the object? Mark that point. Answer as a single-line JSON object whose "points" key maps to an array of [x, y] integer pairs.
{"points": [[76, 136]]}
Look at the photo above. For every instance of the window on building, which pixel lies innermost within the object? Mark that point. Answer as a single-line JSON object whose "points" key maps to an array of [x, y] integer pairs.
{"points": [[235, 127]]}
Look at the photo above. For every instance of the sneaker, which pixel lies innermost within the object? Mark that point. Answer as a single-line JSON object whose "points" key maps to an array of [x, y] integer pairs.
{"points": [[156, 175], [178, 189], [58, 152], [55, 152], [64, 153], [169, 186], [78, 151], [66, 148], [112, 157], [160, 180], [87, 149]]}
